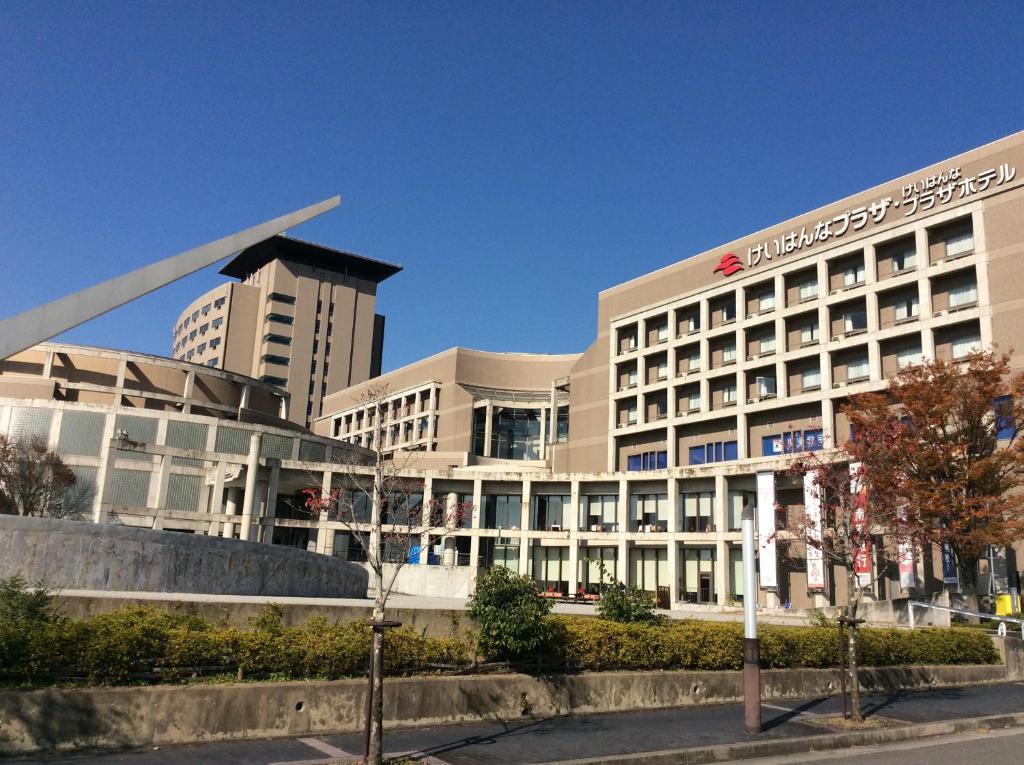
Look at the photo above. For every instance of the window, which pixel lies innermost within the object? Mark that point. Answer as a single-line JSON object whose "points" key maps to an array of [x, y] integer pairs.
{"points": [[270, 337], [663, 333], [965, 346], [716, 451], [214, 343], [281, 298], [219, 302], [631, 415], [195, 316], [853, 274], [855, 320], [662, 369], [768, 344], [502, 511], [729, 394], [765, 386], [657, 460], [729, 353], [270, 358], [212, 362], [857, 369], [792, 442], [192, 334], [959, 244], [693, 323], [693, 361], [206, 309], [698, 508], [809, 333], [907, 357], [766, 302], [631, 379], [963, 295], [201, 348], [217, 322], [810, 379], [273, 380], [729, 312], [808, 289], [906, 308], [693, 401], [203, 329], [190, 354], [904, 260], [280, 318]]}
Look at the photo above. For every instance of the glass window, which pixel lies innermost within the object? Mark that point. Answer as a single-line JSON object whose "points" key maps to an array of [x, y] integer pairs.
{"points": [[515, 433], [212, 362], [808, 288], [857, 368], [549, 512], [963, 294], [502, 511], [280, 297], [729, 353], [965, 346], [729, 311], [902, 261], [693, 400], [219, 302], [270, 358], [694, 361], [768, 344], [766, 302], [698, 508], [809, 333], [855, 320], [631, 378], [959, 244], [729, 393], [631, 415], [201, 348], [853, 274], [663, 369], [662, 333], [279, 318], [810, 379], [697, 454], [907, 357], [479, 430], [203, 328], [765, 386], [906, 308]]}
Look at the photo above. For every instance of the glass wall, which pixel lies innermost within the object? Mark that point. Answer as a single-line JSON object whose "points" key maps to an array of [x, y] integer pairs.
{"points": [[502, 511], [549, 512], [698, 580], [503, 551], [589, 570], [515, 433], [697, 511], [599, 512], [737, 501], [648, 512], [648, 571], [551, 568]]}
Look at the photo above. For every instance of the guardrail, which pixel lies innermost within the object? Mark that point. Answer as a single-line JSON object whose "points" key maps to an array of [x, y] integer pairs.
{"points": [[1003, 620]]}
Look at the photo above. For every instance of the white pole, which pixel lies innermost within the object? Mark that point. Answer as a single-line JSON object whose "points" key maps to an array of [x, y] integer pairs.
{"points": [[751, 648]]}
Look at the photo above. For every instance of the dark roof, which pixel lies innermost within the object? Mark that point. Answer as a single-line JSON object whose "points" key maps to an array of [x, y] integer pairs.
{"points": [[309, 254]]}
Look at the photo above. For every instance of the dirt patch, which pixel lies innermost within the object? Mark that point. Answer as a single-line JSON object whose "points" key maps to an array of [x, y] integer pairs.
{"points": [[838, 722]]}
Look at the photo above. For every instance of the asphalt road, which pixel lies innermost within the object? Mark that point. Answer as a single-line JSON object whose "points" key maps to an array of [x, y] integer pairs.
{"points": [[566, 738]]}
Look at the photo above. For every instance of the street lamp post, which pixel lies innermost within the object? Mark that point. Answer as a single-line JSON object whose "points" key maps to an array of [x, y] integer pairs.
{"points": [[751, 647]]}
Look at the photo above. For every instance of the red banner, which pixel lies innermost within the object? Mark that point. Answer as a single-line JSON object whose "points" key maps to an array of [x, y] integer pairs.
{"points": [[862, 554]]}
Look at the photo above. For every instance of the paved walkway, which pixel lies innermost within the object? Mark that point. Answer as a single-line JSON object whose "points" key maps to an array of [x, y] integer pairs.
{"points": [[572, 737]]}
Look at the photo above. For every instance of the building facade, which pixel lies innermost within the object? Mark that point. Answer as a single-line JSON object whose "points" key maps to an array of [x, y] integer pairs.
{"points": [[277, 322], [636, 457]]}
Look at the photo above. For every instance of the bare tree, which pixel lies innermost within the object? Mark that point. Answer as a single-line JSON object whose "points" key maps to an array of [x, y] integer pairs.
{"points": [[381, 507], [34, 481]]}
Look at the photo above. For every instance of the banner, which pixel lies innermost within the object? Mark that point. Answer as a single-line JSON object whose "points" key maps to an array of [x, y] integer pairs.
{"points": [[905, 551], [768, 572], [812, 534], [949, 572], [862, 554]]}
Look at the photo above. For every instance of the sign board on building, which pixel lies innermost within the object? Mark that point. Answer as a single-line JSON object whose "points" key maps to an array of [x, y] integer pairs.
{"points": [[812, 535], [768, 570]]}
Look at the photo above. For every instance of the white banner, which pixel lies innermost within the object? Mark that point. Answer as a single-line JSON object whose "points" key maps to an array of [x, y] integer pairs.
{"points": [[769, 579], [862, 555], [812, 511]]}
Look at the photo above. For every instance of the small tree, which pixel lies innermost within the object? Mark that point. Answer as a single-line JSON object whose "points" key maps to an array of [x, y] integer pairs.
{"points": [[509, 613], [952, 459], [841, 533], [34, 481], [376, 505], [627, 605]]}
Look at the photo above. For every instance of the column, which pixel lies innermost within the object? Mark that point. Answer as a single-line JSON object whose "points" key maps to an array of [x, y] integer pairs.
{"points": [[474, 541], [673, 567], [234, 503], [574, 536], [722, 570], [267, 530], [190, 384], [249, 498], [623, 517], [487, 429]]}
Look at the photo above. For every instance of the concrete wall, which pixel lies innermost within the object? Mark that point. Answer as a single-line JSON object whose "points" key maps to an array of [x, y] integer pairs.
{"points": [[161, 715], [430, 581], [75, 555]]}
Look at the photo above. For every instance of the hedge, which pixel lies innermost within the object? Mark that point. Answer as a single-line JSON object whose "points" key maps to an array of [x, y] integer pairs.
{"points": [[138, 644], [598, 644]]}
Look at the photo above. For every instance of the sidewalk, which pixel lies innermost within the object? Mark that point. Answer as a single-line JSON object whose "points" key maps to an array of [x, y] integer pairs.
{"points": [[709, 733]]}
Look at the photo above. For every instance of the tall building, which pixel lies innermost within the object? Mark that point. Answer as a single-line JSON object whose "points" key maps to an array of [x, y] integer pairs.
{"points": [[301, 316]]}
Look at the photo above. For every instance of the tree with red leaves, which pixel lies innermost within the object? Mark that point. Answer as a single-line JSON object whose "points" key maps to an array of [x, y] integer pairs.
{"points": [[941, 449], [36, 481]]}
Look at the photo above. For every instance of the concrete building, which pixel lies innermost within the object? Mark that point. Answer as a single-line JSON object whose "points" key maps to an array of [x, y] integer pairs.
{"points": [[636, 456], [301, 316]]}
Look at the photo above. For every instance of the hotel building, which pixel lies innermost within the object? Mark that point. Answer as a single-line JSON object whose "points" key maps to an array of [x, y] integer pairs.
{"points": [[277, 322], [638, 454]]}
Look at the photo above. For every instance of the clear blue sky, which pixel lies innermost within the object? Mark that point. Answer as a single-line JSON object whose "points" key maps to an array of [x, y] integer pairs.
{"points": [[515, 157]]}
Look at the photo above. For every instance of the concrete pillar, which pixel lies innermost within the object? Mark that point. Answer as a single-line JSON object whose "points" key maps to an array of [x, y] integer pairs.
{"points": [[489, 408], [324, 535], [623, 524], [544, 451], [231, 508], [271, 508], [474, 542], [243, 402], [252, 466], [574, 536], [722, 571], [526, 505], [673, 568], [190, 385], [216, 504]]}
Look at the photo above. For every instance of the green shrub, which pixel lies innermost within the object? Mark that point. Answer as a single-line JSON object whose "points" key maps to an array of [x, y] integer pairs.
{"points": [[509, 614], [628, 606]]}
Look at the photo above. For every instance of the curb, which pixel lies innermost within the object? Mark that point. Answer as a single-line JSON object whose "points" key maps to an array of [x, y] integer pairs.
{"points": [[802, 744]]}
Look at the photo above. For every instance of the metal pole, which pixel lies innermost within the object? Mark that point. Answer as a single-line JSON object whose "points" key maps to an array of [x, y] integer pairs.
{"points": [[842, 669], [751, 647], [369, 703]]}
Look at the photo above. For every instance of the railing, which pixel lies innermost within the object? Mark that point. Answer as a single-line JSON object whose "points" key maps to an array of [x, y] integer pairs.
{"points": [[1003, 620]]}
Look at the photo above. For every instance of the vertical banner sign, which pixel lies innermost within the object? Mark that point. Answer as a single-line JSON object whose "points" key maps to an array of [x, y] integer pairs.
{"points": [[949, 572], [766, 530], [812, 534], [905, 550], [862, 555]]}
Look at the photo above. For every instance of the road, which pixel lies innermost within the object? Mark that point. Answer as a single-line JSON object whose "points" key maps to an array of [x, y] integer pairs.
{"points": [[573, 737]]}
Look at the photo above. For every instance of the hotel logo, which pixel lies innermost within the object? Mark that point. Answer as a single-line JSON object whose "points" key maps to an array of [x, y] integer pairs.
{"points": [[728, 265]]}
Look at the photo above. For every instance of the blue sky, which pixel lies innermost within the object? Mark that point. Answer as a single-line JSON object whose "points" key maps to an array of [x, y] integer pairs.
{"points": [[515, 158]]}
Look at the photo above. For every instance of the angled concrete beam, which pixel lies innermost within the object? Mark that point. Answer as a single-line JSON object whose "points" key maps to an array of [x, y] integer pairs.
{"points": [[43, 322]]}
